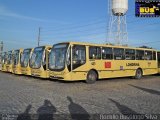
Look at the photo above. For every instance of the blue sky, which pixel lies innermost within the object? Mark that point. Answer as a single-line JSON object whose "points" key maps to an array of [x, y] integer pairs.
{"points": [[68, 20]]}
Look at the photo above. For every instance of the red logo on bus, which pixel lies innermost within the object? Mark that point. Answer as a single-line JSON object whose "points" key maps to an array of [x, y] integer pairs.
{"points": [[107, 64]]}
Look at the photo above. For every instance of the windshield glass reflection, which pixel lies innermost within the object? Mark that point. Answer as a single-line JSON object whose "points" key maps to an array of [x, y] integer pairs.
{"points": [[36, 59], [25, 57], [5, 58], [16, 57], [57, 56], [9, 60]]}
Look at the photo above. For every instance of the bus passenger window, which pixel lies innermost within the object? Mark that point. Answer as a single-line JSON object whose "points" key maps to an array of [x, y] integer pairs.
{"points": [[78, 56], [94, 53], [139, 55], [154, 55], [107, 53], [158, 55], [118, 54], [130, 54], [148, 55]]}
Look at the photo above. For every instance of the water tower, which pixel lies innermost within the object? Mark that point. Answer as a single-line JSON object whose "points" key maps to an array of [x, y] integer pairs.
{"points": [[117, 24]]}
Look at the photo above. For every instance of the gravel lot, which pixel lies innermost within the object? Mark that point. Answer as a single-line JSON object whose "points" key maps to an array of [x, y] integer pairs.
{"points": [[21, 94]]}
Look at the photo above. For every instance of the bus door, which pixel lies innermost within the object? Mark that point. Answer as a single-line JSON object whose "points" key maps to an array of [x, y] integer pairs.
{"points": [[78, 61], [158, 55], [45, 60], [0, 61]]}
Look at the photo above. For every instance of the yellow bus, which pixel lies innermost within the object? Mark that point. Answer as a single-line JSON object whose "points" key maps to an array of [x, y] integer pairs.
{"points": [[158, 55], [26, 55], [72, 61], [4, 61], [9, 65], [16, 63], [39, 62], [1, 59]]}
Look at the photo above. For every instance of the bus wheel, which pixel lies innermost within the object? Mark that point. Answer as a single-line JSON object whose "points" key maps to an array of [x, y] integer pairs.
{"points": [[91, 77], [139, 74]]}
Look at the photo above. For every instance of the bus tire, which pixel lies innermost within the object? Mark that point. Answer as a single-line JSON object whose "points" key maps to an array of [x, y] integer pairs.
{"points": [[91, 77], [138, 74]]}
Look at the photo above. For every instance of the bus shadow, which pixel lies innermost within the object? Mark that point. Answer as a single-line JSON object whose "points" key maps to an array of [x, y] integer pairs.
{"points": [[84, 81], [118, 79], [122, 108], [34, 77], [151, 91], [63, 81], [126, 111]]}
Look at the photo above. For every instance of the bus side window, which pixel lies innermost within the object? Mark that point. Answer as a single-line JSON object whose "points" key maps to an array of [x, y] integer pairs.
{"points": [[107, 53], [148, 55], [118, 54], [158, 55], [78, 56], [130, 54], [154, 55], [139, 55], [94, 53]]}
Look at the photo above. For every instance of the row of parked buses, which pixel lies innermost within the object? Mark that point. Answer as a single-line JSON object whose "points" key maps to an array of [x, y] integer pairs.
{"points": [[72, 61], [31, 61]]}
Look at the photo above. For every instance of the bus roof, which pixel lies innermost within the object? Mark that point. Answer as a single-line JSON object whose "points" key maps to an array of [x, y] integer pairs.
{"points": [[28, 49], [21, 49], [103, 45], [46, 46]]}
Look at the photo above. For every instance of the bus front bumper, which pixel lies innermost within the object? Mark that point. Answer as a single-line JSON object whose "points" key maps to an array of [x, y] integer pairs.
{"points": [[26, 71], [60, 76], [39, 73]]}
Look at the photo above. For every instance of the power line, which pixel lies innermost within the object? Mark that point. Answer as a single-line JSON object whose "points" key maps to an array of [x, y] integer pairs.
{"points": [[66, 35], [73, 29], [147, 43], [148, 25], [79, 31], [80, 26]]}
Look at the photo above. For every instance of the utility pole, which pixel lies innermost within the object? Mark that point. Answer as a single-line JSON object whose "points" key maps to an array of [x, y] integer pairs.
{"points": [[1, 46], [39, 35]]}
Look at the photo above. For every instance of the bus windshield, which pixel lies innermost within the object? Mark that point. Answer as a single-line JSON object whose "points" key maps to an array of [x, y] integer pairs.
{"points": [[5, 58], [57, 57], [9, 61], [36, 59], [25, 57], [16, 57]]}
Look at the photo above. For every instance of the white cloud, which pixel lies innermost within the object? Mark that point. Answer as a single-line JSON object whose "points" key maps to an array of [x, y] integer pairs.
{"points": [[4, 12]]}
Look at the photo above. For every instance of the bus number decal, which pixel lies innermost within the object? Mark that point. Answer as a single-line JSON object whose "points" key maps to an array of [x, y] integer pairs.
{"points": [[107, 64]]}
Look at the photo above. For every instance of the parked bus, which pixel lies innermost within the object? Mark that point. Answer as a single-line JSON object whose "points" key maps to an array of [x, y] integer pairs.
{"points": [[158, 55], [16, 63], [9, 65], [73, 61], [4, 61], [39, 62], [1, 59], [26, 55]]}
